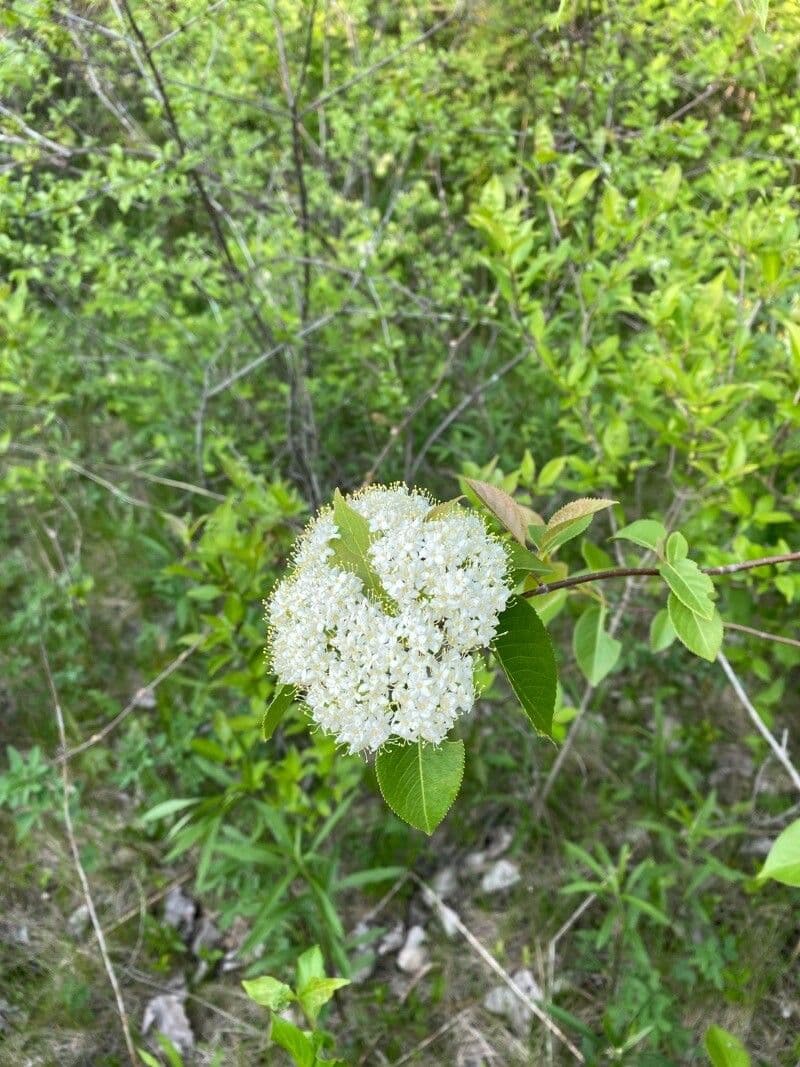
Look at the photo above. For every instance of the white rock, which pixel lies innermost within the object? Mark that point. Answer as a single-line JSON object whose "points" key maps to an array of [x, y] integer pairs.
{"points": [[499, 841], [446, 916], [502, 1001], [392, 940], [449, 920], [445, 882], [413, 956], [78, 922], [501, 875], [166, 1013], [180, 911]]}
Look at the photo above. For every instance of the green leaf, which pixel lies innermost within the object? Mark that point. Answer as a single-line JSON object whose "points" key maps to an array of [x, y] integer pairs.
{"points": [[279, 705], [168, 807], [595, 650], [316, 993], [292, 1039], [576, 509], [581, 186], [783, 861], [550, 539], [594, 557], [662, 632], [351, 550], [174, 1058], [268, 992], [523, 648], [701, 636], [512, 516], [550, 472], [647, 533], [523, 561], [725, 1050], [147, 1058], [440, 511], [688, 583], [761, 9], [310, 964], [204, 592], [676, 548], [794, 343], [570, 521], [420, 781]]}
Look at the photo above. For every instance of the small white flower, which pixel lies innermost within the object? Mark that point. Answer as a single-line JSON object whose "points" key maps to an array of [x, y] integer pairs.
{"points": [[366, 675]]}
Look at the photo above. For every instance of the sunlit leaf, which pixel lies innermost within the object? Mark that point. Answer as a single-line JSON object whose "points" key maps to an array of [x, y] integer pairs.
{"points": [[724, 1049], [783, 860]]}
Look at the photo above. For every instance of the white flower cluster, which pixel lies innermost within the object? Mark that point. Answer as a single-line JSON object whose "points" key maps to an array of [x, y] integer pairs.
{"points": [[367, 675]]}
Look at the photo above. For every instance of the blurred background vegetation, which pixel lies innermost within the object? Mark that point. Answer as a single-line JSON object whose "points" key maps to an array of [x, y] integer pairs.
{"points": [[252, 250]]}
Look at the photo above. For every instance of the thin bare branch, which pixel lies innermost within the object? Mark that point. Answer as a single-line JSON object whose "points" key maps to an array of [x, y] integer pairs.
{"points": [[76, 859], [763, 634], [132, 704], [434, 900], [778, 750], [368, 71], [463, 404], [185, 25]]}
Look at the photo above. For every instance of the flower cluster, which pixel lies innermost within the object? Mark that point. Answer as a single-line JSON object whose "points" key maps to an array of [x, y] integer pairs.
{"points": [[368, 675]]}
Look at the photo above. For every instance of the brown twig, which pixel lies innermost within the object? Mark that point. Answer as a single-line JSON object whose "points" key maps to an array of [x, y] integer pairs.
{"points": [[76, 859], [629, 572]]}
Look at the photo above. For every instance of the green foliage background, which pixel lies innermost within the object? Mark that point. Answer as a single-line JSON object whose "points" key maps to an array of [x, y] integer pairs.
{"points": [[252, 251]]}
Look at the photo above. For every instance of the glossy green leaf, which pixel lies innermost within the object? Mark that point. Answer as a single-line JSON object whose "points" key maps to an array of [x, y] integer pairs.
{"points": [[701, 636], [351, 550], [596, 651], [647, 533], [783, 860], [688, 583], [724, 1049], [279, 705], [420, 781], [525, 652]]}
